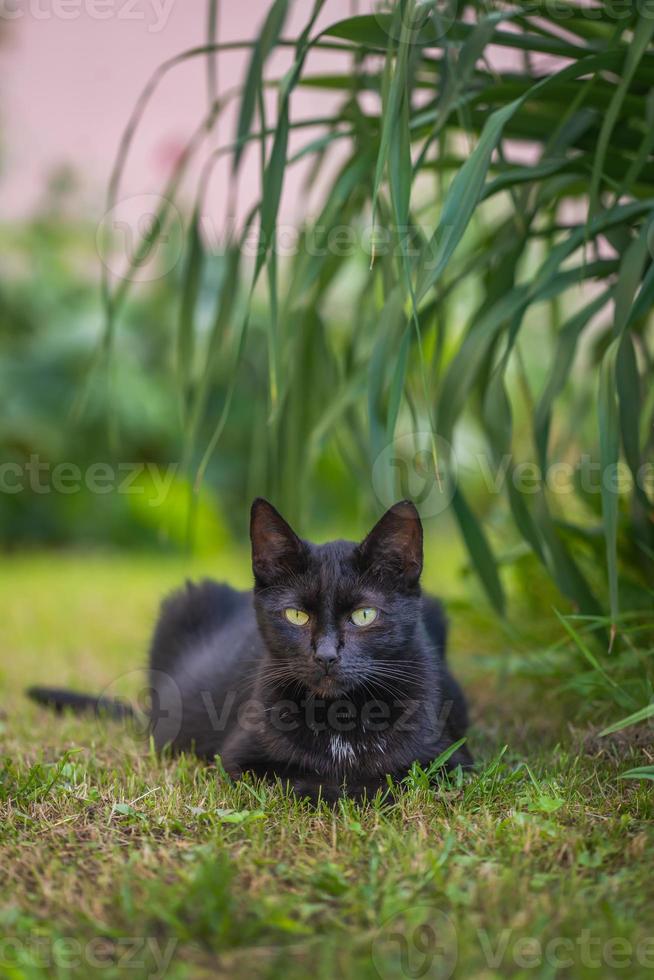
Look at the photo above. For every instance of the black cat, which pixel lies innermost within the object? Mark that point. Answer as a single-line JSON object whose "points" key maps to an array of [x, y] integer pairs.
{"points": [[331, 674]]}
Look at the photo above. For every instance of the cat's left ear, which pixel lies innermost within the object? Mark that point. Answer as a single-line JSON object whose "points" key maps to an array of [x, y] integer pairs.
{"points": [[393, 549], [276, 549]]}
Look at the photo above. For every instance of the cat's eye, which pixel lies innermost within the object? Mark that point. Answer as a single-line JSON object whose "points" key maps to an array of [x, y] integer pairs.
{"points": [[297, 617], [364, 616]]}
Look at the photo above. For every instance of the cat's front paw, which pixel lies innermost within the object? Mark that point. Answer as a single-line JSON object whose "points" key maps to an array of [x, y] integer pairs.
{"points": [[330, 793], [313, 790]]}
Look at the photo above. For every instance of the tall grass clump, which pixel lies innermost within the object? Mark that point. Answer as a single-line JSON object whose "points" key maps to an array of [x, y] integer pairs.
{"points": [[499, 159]]}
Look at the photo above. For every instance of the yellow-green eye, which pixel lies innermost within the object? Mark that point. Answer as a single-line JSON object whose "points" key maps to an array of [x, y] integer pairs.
{"points": [[297, 617], [364, 617]]}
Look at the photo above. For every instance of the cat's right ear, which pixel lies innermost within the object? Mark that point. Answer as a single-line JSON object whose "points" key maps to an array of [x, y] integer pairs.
{"points": [[276, 548], [393, 549]]}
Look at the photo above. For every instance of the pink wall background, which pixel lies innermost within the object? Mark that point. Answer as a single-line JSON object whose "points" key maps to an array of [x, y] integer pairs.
{"points": [[71, 70]]}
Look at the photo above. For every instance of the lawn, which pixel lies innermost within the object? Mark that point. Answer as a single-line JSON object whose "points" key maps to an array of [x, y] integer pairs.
{"points": [[114, 862]]}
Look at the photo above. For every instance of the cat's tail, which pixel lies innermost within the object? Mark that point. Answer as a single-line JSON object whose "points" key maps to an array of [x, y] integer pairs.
{"points": [[60, 699]]}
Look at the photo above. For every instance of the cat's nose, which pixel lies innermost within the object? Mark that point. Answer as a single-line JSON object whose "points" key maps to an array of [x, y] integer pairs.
{"points": [[326, 655]]}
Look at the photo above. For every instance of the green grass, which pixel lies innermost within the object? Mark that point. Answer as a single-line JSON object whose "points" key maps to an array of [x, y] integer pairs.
{"points": [[116, 863]]}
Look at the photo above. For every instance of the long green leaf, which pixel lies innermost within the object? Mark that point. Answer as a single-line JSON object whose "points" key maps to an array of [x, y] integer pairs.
{"points": [[559, 372], [479, 550], [265, 43], [375, 31], [467, 187], [186, 328], [642, 772], [609, 434], [634, 719], [634, 53]]}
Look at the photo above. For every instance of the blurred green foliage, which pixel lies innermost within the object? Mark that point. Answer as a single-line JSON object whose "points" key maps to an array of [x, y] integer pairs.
{"points": [[49, 321], [59, 412]]}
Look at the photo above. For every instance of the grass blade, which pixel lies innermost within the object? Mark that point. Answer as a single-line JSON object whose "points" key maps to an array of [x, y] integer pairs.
{"points": [[265, 43], [635, 719], [480, 551]]}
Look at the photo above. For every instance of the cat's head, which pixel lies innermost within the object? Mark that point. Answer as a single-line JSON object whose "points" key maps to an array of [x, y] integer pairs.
{"points": [[338, 616]]}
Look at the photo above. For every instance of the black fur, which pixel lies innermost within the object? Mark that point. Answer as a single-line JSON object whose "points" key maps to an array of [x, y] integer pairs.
{"points": [[329, 707]]}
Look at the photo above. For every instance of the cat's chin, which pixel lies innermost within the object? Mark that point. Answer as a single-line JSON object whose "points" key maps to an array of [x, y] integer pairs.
{"points": [[328, 687]]}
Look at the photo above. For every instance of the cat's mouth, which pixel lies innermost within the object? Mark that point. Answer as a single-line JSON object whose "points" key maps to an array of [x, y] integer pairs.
{"points": [[328, 685]]}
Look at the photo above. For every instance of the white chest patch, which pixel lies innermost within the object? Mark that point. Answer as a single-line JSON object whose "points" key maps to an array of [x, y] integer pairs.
{"points": [[342, 751]]}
